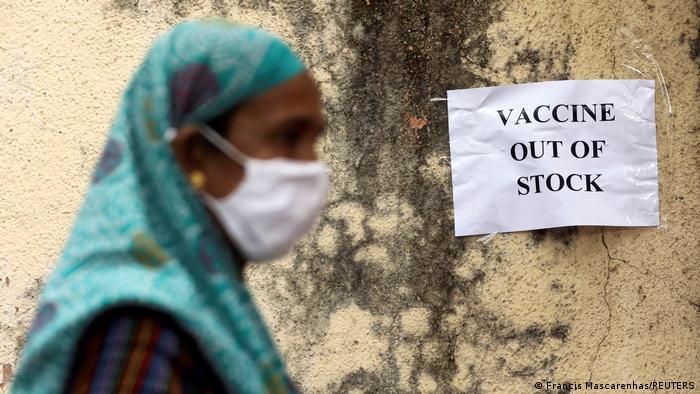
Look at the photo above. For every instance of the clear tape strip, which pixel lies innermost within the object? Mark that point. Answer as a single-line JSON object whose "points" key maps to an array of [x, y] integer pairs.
{"points": [[487, 238], [641, 60]]}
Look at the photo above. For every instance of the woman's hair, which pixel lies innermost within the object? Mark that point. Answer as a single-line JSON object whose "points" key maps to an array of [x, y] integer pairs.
{"points": [[221, 122]]}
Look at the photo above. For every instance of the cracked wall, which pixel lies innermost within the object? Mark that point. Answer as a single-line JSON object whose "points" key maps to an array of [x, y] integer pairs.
{"points": [[381, 297]]}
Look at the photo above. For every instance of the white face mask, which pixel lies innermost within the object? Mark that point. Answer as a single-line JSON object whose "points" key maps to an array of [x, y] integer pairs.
{"points": [[276, 203]]}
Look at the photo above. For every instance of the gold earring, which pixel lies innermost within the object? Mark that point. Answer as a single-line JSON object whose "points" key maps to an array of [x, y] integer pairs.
{"points": [[197, 179]]}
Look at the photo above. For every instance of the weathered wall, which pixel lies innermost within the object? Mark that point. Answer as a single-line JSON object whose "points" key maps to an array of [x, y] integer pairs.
{"points": [[382, 297]]}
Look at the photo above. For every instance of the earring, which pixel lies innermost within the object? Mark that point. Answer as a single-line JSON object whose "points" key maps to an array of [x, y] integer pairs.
{"points": [[197, 179]]}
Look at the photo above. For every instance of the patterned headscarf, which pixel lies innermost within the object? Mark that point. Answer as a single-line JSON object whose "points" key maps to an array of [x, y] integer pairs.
{"points": [[143, 236]]}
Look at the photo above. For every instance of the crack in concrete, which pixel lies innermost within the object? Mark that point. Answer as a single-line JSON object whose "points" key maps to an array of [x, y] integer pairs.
{"points": [[607, 304], [668, 282], [645, 271]]}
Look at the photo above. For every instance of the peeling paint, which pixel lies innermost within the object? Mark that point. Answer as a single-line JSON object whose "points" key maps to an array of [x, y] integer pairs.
{"points": [[6, 375]]}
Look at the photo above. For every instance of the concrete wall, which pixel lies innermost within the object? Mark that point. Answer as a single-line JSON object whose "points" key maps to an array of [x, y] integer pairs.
{"points": [[382, 297]]}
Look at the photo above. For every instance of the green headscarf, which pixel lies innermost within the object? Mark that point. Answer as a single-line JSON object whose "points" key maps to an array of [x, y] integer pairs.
{"points": [[143, 236]]}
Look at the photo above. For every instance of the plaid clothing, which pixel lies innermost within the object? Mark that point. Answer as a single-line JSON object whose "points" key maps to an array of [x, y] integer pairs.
{"points": [[135, 350]]}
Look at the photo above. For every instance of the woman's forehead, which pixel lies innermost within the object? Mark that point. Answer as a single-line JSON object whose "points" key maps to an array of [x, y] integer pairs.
{"points": [[299, 96]]}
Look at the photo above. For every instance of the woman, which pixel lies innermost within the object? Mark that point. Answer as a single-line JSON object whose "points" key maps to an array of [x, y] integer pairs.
{"points": [[209, 163]]}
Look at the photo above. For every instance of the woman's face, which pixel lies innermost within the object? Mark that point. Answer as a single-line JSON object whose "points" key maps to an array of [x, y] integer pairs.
{"points": [[284, 121]]}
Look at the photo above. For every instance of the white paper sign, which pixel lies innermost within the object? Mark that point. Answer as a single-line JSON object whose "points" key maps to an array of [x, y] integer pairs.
{"points": [[553, 154]]}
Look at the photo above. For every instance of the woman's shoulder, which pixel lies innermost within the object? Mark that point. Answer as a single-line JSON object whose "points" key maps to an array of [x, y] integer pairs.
{"points": [[135, 317]]}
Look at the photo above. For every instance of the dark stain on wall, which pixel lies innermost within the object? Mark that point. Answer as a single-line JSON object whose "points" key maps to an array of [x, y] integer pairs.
{"points": [[125, 5], [694, 43], [408, 52], [31, 295], [560, 234], [181, 7], [369, 382], [542, 64]]}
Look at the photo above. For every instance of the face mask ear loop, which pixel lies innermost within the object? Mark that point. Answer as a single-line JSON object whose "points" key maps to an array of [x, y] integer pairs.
{"points": [[221, 143], [170, 134]]}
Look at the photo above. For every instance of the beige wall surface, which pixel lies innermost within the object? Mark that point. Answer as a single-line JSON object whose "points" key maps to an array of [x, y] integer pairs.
{"points": [[381, 297]]}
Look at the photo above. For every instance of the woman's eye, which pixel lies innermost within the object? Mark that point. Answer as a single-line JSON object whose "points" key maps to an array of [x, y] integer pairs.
{"points": [[291, 137]]}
